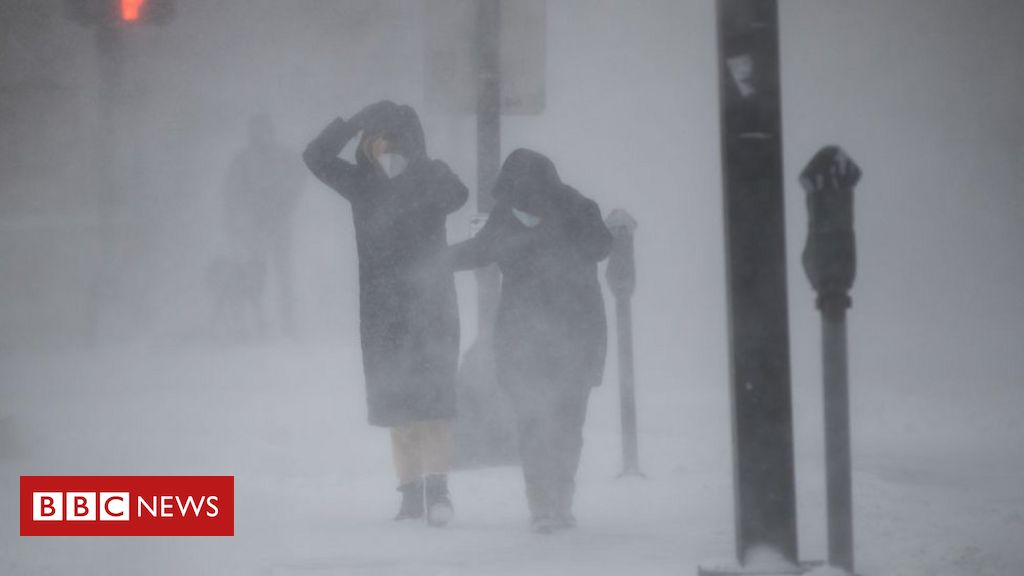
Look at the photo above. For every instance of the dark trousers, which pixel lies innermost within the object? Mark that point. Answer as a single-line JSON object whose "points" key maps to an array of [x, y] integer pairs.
{"points": [[550, 425]]}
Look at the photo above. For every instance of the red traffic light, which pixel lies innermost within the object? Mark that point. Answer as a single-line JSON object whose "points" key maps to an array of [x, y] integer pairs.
{"points": [[130, 9], [119, 12]]}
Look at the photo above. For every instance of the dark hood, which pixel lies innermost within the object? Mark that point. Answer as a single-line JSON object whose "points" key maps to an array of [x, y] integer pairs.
{"points": [[526, 174], [401, 126]]}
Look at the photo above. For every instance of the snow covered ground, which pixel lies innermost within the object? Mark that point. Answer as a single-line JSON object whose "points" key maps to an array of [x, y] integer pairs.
{"points": [[315, 491]]}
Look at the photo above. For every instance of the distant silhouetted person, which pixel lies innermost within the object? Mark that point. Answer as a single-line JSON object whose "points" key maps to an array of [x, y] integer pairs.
{"points": [[408, 313], [262, 191], [550, 332]]}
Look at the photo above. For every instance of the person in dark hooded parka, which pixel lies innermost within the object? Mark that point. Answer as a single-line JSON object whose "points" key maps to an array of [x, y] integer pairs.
{"points": [[550, 331], [408, 312]]}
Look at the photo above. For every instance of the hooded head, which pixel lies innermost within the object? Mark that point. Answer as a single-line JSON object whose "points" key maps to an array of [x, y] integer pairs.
{"points": [[529, 181], [397, 131]]}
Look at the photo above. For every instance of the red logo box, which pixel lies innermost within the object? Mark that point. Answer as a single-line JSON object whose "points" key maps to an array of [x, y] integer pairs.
{"points": [[127, 505]]}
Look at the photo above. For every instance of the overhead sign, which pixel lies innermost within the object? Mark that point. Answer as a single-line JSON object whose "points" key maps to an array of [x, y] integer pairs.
{"points": [[450, 71]]}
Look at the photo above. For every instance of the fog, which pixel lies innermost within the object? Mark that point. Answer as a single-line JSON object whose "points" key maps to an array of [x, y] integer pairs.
{"points": [[113, 360]]}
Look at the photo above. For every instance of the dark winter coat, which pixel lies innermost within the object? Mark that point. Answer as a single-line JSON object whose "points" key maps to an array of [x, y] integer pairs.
{"points": [[550, 328], [408, 314]]}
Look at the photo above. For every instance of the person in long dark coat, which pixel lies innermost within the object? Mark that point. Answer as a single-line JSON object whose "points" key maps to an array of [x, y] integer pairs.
{"points": [[550, 332], [260, 197], [408, 313]]}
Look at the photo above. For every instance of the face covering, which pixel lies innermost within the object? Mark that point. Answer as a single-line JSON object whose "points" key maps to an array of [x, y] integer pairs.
{"points": [[392, 164], [527, 219]]}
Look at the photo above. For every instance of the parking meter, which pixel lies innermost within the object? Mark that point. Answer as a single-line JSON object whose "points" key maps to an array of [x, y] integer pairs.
{"points": [[621, 277], [830, 257], [621, 271], [830, 261]]}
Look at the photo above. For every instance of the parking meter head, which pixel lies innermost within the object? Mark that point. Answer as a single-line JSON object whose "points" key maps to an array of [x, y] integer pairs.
{"points": [[619, 222], [829, 257], [830, 168], [621, 270]]}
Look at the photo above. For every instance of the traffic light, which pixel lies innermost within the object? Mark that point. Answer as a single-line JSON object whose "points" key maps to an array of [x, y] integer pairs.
{"points": [[119, 12], [131, 9]]}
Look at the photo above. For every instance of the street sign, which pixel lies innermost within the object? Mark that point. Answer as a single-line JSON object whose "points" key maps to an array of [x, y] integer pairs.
{"points": [[450, 56]]}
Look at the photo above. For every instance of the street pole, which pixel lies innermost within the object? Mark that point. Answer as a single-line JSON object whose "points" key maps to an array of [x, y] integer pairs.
{"points": [[488, 140], [485, 430], [621, 277], [755, 239]]}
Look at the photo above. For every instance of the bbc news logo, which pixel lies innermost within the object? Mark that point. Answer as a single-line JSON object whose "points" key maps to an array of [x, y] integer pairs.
{"points": [[127, 505], [115, 506]]}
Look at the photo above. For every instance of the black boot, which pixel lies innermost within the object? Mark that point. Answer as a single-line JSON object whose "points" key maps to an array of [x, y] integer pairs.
{"points": [[439, 503], [412, 501]]}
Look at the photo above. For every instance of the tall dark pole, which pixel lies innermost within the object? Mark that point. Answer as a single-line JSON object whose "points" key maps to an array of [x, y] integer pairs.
{"points": [[488, 142], [751, 129], [485, 430]]}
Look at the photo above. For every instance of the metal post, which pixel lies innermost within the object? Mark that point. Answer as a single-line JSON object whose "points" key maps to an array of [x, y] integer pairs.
{"points": [[627, 391], [837, 439], [485, 429], [755, 234], [621, 277], [488, 139]]}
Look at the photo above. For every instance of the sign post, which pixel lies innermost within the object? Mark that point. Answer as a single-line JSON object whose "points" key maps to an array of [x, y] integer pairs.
{"points": [[485, 57], [755, 239]]}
